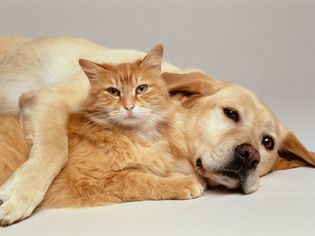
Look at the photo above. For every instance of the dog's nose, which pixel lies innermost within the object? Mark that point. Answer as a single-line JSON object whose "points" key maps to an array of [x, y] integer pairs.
{"points": [[246, 156]]}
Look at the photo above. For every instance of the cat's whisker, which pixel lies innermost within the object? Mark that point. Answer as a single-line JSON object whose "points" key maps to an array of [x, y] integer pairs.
{"points": [[150, 111], [90, 124]]}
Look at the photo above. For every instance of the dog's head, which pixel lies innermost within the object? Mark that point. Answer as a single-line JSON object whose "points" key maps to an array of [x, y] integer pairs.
{"points": [[234, 136]]}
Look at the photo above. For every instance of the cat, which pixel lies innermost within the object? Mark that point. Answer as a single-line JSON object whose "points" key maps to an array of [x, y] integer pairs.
{"points": [[129, 95], [120, 146]]}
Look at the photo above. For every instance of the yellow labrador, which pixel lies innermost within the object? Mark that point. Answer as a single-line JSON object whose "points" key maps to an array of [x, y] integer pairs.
{"points": [[235, 138], [234, 132]]}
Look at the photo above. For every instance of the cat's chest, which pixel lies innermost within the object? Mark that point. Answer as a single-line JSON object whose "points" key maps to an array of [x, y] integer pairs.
{"points": [[114, 149], [107, 139]]}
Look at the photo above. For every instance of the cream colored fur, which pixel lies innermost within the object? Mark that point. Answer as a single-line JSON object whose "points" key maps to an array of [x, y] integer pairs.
{"points": [[57, 89], [47, 71]]}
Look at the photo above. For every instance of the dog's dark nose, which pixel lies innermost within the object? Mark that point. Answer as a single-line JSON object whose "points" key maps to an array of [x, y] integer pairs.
{"points": [[246, 156]]}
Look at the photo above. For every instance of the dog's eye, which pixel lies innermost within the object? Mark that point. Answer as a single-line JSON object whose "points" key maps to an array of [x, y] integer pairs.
{"points": [[231, 113], [113, 91], [141, 89], [268, 142]]}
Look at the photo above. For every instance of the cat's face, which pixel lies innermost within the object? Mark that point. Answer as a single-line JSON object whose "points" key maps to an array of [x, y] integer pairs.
{"points": [[128, 94]]}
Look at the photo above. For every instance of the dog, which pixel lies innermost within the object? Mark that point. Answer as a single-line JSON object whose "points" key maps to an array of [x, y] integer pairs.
{"points": [[235, 138]]}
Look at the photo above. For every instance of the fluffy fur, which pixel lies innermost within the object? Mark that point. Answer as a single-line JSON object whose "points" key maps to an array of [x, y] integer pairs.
{"points": [[129, 95], [112, 159], [201, 134]]}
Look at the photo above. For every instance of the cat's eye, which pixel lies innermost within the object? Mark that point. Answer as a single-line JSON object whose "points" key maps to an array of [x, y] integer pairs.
{"points": [[232, 114], [268, 142], [141, 89], [113, 91]]}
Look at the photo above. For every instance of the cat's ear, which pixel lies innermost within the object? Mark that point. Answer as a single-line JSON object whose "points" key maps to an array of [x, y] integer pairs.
{"points": [[153, 60], [91, 69]]}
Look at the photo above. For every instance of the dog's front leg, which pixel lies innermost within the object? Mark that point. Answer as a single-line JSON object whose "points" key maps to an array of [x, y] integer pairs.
{"points": [[44, 116]]}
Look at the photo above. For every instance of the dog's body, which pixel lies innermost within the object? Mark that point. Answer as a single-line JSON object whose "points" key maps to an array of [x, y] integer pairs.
{"points": [[48, 69]]}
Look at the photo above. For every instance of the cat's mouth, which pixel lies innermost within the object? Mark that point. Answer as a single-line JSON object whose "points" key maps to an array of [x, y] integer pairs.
{"points": [[131, 119], [131, 116]]}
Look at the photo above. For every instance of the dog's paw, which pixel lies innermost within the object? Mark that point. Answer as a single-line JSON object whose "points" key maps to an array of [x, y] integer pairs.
{"points": [[14, 206], [189, 188]]}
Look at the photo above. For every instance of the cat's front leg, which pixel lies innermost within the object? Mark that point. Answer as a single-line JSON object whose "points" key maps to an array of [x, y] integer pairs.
{"points": [[188, 187], [135, 185]]}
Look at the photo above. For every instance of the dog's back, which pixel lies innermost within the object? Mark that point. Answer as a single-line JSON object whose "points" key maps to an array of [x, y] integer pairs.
{"points": [[9, 44]]}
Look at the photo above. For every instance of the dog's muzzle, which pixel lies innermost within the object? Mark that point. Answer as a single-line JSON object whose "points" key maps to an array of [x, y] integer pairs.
{"points": [[246, 158], [241, 169], [243, 166]]}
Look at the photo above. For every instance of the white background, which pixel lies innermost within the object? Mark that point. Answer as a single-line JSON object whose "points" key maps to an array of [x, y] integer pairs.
{"points": [[267, 46]]}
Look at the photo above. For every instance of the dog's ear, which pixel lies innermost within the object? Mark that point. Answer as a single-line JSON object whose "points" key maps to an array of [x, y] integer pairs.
{"points": [[293, 154], [194, 83]]}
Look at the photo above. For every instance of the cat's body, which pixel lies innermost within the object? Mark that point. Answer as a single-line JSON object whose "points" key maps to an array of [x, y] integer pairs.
{"points": [[126, 144], [109, 165]]}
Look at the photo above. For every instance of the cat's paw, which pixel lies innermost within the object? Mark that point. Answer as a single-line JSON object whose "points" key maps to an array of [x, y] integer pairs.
{"points": [[189, 188]]}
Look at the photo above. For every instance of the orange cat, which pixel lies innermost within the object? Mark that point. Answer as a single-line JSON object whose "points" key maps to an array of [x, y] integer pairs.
{"points": [[123, 146]]}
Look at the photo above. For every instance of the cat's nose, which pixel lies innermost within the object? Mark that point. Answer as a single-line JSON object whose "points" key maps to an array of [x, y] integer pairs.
{"points": [[129, 107]]}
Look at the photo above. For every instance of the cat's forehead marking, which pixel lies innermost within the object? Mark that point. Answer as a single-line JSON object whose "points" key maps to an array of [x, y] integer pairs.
{"points": [[113, 80], [129, 79], [139, 78]]}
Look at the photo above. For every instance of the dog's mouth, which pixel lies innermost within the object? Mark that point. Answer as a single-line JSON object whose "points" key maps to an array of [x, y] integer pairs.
{"points": [[230, 174], [245, 180]]}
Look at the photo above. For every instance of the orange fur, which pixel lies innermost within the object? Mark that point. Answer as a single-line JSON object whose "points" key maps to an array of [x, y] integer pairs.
{"points": [[149, 107], [108, 164], [13, 146], [111, 160]]}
